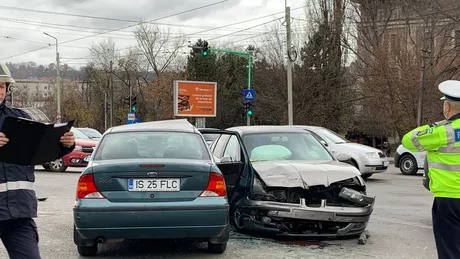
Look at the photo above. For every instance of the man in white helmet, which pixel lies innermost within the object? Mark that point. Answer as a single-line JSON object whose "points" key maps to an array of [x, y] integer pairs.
{"points": [[18, 202], [441, 141]]}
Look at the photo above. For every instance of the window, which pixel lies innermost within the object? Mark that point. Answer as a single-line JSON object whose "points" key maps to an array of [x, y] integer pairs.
{"points": [[78, 134], [285, 146], [148, 145], [330, 135], [457, 40], [232, 149]]}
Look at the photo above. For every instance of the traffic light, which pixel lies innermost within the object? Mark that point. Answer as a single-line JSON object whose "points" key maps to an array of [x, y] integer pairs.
{"points": [[248, 108], [205, 49], [126, 100], [133, 103]]}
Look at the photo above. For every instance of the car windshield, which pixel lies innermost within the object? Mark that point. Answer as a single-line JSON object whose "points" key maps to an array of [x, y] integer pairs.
{"points": [[138, 145], [285, 146], [92, 133], [331, 135], [78, 134]]}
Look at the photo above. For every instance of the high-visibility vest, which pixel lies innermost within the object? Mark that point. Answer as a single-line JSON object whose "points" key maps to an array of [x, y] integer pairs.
{"points": [[441, 141]]}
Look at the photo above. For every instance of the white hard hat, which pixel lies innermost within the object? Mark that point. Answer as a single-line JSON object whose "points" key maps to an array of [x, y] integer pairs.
{"points": [[5, 74], [451, 90]]}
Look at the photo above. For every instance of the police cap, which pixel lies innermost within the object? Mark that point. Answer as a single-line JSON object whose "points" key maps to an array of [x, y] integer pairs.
{"points": [[451, 90], [5, 74]]}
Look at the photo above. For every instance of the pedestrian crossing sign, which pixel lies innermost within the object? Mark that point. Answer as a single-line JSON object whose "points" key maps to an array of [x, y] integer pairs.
{"points": [[249, 94]]}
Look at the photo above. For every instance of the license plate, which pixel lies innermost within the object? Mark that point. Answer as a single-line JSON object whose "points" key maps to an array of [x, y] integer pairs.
{"points": [[86, 159], [154, 185], [386, 163]]}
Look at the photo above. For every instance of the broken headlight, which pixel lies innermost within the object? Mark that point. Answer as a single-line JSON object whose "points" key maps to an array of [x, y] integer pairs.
{"points": [[356, 197]]}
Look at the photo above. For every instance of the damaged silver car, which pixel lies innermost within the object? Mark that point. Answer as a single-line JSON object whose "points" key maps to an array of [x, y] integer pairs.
{"points": [[282, 180]]}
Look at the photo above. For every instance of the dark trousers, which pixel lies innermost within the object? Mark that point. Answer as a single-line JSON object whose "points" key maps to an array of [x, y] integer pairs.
{"points": [[20, 238], [446, 227]]}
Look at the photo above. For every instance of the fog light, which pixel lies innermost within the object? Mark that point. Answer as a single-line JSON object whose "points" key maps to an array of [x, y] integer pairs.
{"points": [[266, 220], [75, 160], [355, 197]]}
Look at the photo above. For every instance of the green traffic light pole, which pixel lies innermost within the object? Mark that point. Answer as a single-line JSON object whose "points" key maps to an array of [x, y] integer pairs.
{"points": [[249, 56]]}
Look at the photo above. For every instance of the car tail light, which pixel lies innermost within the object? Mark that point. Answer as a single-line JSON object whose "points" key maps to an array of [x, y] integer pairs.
{"points": [[216, 186], [87, 189]]}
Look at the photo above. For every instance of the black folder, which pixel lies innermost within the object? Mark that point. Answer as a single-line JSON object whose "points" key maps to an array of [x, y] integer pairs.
{"points": [[32, 142]]}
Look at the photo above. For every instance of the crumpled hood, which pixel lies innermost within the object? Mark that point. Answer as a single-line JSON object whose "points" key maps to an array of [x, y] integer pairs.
{"points": [[357, 147], [292, 174]]}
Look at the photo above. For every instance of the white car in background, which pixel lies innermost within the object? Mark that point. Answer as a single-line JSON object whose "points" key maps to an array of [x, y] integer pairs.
{"points": [[367, 159], [409, 162]]}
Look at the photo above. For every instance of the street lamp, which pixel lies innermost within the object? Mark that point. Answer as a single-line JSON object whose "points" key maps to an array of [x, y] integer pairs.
{"points": [[58, 79]]}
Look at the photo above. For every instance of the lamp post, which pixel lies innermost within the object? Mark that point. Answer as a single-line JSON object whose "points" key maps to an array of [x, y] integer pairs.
{"points": [[58, 79]]}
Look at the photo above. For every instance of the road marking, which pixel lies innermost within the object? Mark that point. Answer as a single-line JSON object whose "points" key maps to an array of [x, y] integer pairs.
{"points": [[402, 222]]}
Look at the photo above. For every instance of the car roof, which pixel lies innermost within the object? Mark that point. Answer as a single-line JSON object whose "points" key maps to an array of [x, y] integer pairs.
{"points": [[180, 125], [308, 127], [267, 129]]}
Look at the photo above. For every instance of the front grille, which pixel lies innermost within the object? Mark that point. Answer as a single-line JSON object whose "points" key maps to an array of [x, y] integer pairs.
{"points": [[87, 149], [382, 155]]}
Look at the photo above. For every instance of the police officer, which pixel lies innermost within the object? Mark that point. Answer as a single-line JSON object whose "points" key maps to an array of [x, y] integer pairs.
{"points": [[441, 141], [18, 203]]}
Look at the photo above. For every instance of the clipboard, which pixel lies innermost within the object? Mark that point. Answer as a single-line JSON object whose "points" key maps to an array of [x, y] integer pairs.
{"points": [[32, 142]]}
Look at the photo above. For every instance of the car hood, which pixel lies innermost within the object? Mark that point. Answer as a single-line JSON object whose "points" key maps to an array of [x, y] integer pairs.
{"points": [[357, 147], [292, 174]]}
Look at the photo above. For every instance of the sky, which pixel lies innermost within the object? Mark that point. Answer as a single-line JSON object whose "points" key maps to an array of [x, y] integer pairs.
{"points": [[23, 23]]}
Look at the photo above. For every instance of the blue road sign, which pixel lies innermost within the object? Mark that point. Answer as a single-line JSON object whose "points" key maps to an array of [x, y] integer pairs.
{"points": [[249, 94], [131, 117], [137, 120]]}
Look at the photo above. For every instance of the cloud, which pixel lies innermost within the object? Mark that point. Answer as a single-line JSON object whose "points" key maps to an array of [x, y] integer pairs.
{"points": [[26, 31]]}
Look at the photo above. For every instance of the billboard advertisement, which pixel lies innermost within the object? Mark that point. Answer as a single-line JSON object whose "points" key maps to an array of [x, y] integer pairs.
{"points": [[195, 99]]}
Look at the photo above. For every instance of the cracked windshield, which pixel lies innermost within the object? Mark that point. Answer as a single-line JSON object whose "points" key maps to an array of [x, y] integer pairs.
{"points": [[230, 129]]}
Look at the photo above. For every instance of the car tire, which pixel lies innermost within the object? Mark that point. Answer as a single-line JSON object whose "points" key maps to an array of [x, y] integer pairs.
{"points": [[408, 165], [217, 248], [58, 165], [237, 220], [87, 250]]}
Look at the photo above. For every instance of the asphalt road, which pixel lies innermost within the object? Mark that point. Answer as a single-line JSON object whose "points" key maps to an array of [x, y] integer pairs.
{"points": [[400, 227]]}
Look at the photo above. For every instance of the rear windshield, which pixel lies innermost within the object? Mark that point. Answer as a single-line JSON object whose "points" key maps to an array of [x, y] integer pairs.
{"points": [[138, 145]]}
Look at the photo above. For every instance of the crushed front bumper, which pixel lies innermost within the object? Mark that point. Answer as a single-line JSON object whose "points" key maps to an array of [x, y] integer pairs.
{"points": [[301, 220]]}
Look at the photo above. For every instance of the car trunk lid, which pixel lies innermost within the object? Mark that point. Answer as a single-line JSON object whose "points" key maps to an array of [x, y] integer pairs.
{"points": [[151, 180]]}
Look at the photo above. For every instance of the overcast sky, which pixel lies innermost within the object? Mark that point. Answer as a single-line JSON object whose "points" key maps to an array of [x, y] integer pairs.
{"points": [[22, 31]]}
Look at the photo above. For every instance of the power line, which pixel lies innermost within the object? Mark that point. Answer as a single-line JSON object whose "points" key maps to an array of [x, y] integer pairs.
{"points": [[58, 26], [245, 29], [65, 14], [126, 27], [190, 34]]}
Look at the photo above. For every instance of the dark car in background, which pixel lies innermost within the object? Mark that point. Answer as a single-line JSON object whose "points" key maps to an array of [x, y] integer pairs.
{"points": [[283, 181]]}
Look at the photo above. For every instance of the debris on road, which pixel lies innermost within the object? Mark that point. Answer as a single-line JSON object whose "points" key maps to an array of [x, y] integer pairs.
{"points": [[363, 237], [42, 198]]}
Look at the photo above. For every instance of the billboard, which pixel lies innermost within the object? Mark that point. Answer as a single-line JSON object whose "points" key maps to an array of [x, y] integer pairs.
{"points": [[195, 99]]}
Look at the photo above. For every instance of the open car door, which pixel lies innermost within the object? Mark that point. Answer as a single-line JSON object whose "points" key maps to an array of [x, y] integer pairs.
{"points": [[237, 170]]}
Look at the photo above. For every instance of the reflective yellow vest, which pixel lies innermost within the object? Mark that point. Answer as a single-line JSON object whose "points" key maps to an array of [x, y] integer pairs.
{"points": [[441, 141]]}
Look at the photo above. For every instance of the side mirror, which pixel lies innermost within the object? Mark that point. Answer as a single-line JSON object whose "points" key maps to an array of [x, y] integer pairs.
{"points": [[343, 158], [324, 143], [226, 159]]}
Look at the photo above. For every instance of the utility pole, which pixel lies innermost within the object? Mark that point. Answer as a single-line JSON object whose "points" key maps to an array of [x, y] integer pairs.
{"points": [[111, 93], [58, 79], [289, 64], [422, 87], [105, 110]]}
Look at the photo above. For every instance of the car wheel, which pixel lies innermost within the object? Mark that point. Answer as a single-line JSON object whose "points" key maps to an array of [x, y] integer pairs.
{"points": [[408, 165], [238, 222], [217, 248], [87, 250], [58, 165]]}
